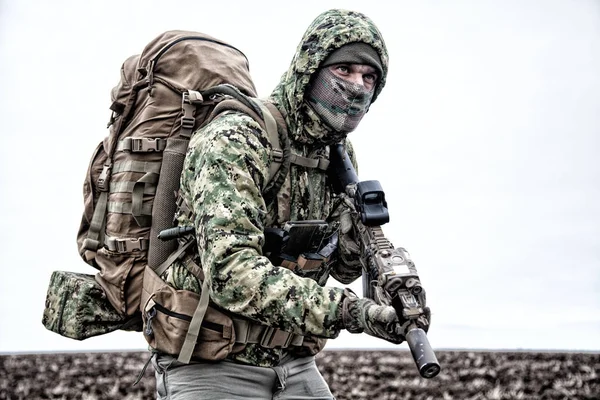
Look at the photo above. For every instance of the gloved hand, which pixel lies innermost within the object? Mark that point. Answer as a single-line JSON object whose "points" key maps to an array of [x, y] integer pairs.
{"points": [[349, 248], [424, 321], [364, 315]]}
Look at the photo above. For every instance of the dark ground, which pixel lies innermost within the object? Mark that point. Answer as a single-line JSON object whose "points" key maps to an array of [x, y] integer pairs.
{"points": [[352, 375]]}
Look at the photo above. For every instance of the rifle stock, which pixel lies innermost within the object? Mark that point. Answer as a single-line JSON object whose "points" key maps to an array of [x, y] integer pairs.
{"points": [[389, 275]]}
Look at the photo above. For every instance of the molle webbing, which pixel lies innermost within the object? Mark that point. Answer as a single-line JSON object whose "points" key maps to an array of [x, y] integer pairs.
{"points": [[146, 184], [249, 332], [162, 208], [127, 208], [136, 166], [127, 187]]}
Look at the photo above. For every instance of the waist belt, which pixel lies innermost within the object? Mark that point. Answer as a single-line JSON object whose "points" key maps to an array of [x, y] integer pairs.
{"points": [[249, 332]]}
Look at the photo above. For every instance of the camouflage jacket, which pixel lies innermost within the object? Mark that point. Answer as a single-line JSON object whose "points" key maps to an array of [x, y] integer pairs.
{"points": [[224, 174]]}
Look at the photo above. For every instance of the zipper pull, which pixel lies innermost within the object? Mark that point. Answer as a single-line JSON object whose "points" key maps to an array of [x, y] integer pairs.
{"points": [[149, 315]]}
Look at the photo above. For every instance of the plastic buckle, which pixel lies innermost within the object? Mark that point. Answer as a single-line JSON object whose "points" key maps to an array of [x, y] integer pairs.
{"points": [[102, 183], [277, 155], [137, 145], [129, 245], [191, 97], [187, 122], [146, 144], [189, 100]]}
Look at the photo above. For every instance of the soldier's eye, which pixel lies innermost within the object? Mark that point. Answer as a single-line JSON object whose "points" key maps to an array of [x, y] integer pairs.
{"points": [[371, 78]]}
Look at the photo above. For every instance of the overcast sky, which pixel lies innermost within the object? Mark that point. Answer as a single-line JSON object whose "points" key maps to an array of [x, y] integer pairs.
{"points": [[485, 140]]}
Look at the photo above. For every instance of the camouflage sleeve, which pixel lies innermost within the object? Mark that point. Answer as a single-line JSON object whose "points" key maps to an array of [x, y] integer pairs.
{"points": [[224, 171], [348, 267]]}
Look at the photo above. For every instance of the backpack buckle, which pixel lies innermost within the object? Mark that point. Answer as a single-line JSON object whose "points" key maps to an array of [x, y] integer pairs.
{"points": [[189, 100], [102, 183], [187, 122], [126, 245], [145, 145], [131, 245], [277, 155], [192, 97]]}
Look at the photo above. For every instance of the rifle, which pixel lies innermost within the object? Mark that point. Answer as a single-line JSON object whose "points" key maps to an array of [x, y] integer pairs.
{"points": [[389, 275]]}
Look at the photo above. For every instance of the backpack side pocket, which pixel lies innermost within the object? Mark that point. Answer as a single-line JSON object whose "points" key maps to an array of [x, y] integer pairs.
{"points": [[77, 307]]}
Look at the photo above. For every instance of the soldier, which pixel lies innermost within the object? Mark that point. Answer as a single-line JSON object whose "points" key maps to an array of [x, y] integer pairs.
{"points": [[338, 71]]}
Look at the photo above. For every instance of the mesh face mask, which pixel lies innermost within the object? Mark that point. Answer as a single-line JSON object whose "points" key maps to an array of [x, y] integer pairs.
{"points": [[339, 103]]}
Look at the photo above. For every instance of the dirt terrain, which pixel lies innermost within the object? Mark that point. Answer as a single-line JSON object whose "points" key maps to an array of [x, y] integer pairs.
{"points": [[386, 375]]}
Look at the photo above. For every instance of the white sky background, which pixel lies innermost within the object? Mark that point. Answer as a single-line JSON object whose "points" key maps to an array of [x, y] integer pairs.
{"points": [[485, 140]]}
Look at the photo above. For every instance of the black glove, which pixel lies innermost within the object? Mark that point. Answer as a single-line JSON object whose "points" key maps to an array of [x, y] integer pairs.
{"points": [[364, 315]]}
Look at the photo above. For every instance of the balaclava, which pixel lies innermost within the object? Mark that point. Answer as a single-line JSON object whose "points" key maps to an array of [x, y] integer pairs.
{"points": [[329, 32], [341, 104]]}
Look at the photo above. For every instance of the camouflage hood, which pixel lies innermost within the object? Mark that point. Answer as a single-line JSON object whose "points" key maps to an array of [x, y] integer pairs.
{"points": [[328, 32]]}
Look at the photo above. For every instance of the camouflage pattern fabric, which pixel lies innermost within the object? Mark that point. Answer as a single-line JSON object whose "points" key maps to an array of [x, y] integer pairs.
{"points": [[76, 307], [224, 173]]}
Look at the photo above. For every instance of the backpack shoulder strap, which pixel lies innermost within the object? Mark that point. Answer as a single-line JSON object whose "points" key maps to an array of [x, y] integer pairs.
{"points": [[270, 119], [273, 135]]}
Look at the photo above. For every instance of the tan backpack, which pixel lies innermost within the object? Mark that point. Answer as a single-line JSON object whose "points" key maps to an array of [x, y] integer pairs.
{"points": [[164, 95]]}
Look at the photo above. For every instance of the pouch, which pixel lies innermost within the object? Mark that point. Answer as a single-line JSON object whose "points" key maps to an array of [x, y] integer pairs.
{"points": [[77, 307], [167, 313]]}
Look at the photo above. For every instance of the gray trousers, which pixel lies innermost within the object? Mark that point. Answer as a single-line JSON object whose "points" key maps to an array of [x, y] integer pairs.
{"points": [[292, 379]]}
